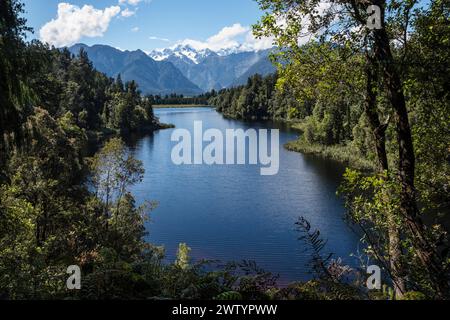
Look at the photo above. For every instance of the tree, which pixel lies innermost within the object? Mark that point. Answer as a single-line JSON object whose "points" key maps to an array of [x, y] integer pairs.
{"points": [[114, 172], [183, 258]]}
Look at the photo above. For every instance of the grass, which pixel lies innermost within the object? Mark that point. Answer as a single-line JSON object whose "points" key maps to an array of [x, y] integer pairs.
{"points": [[342, 153], [346, 154]]}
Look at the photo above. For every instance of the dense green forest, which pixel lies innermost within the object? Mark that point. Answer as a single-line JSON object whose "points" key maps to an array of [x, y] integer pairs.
{"points": [[259, 99], [361, 95], [179, 99]]}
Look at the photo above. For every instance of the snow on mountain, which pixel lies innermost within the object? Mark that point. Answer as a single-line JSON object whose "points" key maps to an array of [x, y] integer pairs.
{"points": [[183, 52], [189, 54], [219, 69]]}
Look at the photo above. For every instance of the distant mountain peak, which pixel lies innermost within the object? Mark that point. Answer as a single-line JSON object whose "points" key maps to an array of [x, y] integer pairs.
{"points": [[210, 69], [182, 51], [189, 54]]}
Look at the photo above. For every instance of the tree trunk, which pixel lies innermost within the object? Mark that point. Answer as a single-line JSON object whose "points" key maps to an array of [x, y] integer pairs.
{"points": [[378, 131], [426, 252], [379, 135]]}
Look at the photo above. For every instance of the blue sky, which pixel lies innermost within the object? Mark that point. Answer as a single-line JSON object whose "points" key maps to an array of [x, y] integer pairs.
{"points": [[142, 24]]}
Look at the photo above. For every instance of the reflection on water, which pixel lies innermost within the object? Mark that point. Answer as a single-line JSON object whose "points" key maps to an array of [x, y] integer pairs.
{"points": [[234, 213]]}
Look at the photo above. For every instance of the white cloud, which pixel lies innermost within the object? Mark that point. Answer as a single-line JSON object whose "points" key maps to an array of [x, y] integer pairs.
{"points": [[72, 23], [227, 36], [253, 44], [135, 29], [159, 39], [235, 36], [130, 2], [128, 13]]}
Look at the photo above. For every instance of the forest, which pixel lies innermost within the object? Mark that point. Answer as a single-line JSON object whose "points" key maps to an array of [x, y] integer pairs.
{"points": [[259, 99], [375, 99], [179, 99]]}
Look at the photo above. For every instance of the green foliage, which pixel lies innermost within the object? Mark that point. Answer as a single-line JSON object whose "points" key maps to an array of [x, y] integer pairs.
{"points": [[42, 202], [346, 154], [371, 198], [426, 83], [255, 101], [414, 295], [114, 171], [179, 99], [183, 258], [319, 290], [373, 202], [127, 111], [13, 71], [229, 296]]}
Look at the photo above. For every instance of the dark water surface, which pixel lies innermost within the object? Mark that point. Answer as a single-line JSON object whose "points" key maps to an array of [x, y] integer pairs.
{"points": [[234, 213]]}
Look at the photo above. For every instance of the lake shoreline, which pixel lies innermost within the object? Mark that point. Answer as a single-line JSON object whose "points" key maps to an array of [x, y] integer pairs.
{"points": [[95, 139], [345, 155], [181, 106], [342, 154]]}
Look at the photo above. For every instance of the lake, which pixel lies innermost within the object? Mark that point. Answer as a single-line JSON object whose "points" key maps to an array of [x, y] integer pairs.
{"points": [[231, 213]]}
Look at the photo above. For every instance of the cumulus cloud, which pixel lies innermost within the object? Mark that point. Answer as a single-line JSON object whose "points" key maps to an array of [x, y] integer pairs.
{"points": [[235, 36], [72, 23], [135, 29], [227, 36]]}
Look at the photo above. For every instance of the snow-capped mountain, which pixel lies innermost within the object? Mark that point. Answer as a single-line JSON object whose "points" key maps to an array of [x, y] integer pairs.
{"points": [[216, 69], [181, 69], [182, 52]]}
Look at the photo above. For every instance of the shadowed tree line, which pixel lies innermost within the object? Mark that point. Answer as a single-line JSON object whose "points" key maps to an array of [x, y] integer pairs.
{"points": [[180, 99]]}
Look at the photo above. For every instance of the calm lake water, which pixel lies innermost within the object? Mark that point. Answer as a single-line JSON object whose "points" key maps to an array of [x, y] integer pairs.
{"points": [[231, 213]]}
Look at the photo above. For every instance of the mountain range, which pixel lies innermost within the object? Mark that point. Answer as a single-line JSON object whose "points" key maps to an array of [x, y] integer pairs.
{"points": [[216, 70], [153, 77], [181, 69]]}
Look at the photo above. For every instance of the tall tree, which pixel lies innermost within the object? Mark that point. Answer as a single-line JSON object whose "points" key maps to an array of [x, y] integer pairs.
{"points": [[12, 29]]}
